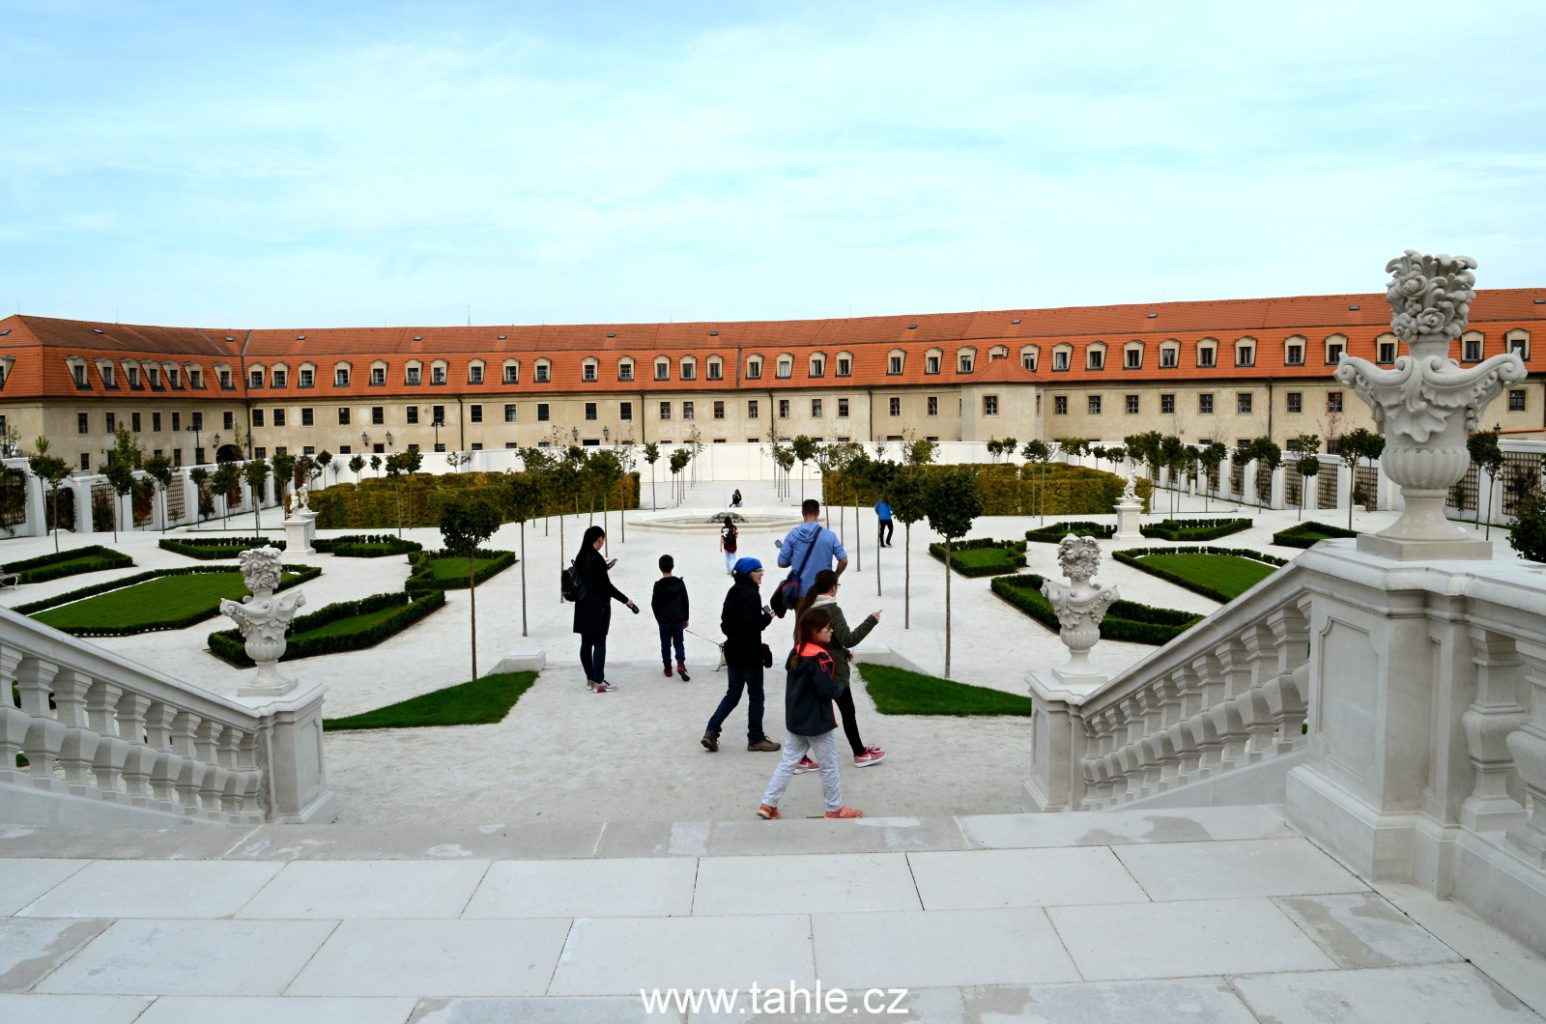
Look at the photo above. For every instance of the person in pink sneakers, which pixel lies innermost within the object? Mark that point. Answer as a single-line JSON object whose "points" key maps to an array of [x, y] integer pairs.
{"points": [[823, 594], [810, 727]]}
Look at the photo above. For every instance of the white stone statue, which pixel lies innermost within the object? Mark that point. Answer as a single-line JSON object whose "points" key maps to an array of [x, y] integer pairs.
{"points": [[263, 618], [1130, 492], [1080, 604], [1426, 405], [303, 499]]}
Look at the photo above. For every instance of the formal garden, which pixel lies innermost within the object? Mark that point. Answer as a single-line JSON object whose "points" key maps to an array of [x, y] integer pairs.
{"points": [[1220, 573], [1125, 620], [982, 556], [74, 562], [157, 600]]}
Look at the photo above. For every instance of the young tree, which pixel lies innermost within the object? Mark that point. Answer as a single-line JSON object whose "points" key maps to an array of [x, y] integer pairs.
{"points": [[995, 449], [1269, 457], [324, 461], [200, 477], [919, 451], [679, 460], [1485, 454], [804, 448], [397, 464], [227, 475], [909, 500], [1528, 537], [783, 455], [284, 472], [1359, 443], [1039, 453], [375, 464], [878, 474], [1078, 447], [465, 523], [1307, 463], [1211, 458], [52, 470], [605, 470], [1174, 455], [256, 473], [160, 469], [523, 491], [954, 501], [357, 466], [121, 478], [652, 456], [624, 454]]}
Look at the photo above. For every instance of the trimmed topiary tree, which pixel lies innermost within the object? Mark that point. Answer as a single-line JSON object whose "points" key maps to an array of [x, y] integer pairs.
{"points": [[465, 525], [953, 501]]}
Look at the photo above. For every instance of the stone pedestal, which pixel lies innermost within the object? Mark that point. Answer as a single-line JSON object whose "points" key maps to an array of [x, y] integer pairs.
{"points": [[522, 659], [1127, 520], [300, 530], [290, 754], [1398, 550]]}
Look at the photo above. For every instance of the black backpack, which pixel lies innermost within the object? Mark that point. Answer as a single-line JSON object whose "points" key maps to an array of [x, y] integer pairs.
{"points": [[570, 586]]}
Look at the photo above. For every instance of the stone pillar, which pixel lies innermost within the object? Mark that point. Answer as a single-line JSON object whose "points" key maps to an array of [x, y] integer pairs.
{"points": [[1057, 747], [289, 751]]}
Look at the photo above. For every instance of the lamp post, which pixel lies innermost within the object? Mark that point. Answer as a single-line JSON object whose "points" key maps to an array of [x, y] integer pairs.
{"points": [[196, 458], [574, 434], [365, 440], [389, 439], [437, 423]]}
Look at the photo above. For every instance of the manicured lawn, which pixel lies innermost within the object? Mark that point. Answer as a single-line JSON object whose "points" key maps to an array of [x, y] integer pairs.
{"points": [[481, 702], [1229, 574], [454, 569], [352, 624], [157, 600], [896, 691], [985, 558]]}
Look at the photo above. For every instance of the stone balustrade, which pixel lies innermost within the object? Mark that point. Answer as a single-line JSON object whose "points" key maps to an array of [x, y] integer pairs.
{"points": [[107, 740]]}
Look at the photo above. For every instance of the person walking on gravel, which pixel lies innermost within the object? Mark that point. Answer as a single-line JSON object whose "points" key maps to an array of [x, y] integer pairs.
{"points": [[824, 595], [743, 619], [593, 609], [728, 541]]}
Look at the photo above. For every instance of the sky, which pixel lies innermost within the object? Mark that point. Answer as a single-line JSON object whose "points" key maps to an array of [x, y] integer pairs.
{"points": [[339, 164]]}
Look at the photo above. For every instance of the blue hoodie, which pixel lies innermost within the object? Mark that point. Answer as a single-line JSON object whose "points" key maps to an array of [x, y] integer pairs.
{"points": [[828, 549]]}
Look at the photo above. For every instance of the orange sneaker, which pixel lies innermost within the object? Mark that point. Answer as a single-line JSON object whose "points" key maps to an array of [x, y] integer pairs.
{"points": [[846, 812], [767, 813]]}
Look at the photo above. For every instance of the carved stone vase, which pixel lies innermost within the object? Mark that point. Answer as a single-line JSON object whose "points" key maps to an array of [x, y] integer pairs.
{"points": [[263, 619], [1080, 605]]}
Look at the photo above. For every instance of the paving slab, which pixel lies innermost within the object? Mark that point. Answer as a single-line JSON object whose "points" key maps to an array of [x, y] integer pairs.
{"points": [[201, 958], [434, 958], [833, 882], [27, 878], [120, 842], [1200, 1001], [458, 841], [620, 956], [1184, 939], [276, 1010], [644, 887], [541, 1010], [159, 889], [1022, 878], [1236, 868], [341, 890], [789, 835], [939, 948], [1364, 930], [35, 1009], [1122, 828], [1398, 995], [1519, 969], [654, 839], [30, 949]]}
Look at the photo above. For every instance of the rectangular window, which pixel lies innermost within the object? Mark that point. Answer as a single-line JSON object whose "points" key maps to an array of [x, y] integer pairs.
{"points": [[475, 374], [196, 420], [1520, 347], [196, 379], [662, 370], [815, 407], [845, 367], [719, 410], [155, 378], [512, 375], [412, 414], [377, 415], [785, 369], [625, 371], [1295, 401], [1333, 401], [111, 421], [475, 414], [1205, 356], [1205, 403], [665, 410], [933, 406], [990, 405], [1060, 405], [1060, 360], [1386, 353], [341, 377], [255, 379], [413, 375], [155, 423], [542, 412], [1095, 359], [225, 381], [82, 423], [751, 409], [818, 367], [279, 417], [1245, 355], [588, 372], [1516, 400], [177, 421], [1294, 355], [1167, 404], [754, 369], [894, 366], [689, 370], [783, 408], [79, 373], [278, 378], [687, 410], [1471, 350], [894, 406], [590, 410], [964, 363], [437, 414], [842, 407], [1169, 358], [134, 377], [307, 417], [509, 412], [716, 370], [308, 378], [1333, 354], [1131, 403], [1132, 358], [1243, 402], [625, 410], [542, 373], [437, 376], [343, 415], [1028, 360], [378, 376], [931, 365], [1094, 405], [260, 452], [229, 421]]}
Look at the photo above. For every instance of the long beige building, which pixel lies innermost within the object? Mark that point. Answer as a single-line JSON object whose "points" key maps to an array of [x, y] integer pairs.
{"points": [[1225, 370]]}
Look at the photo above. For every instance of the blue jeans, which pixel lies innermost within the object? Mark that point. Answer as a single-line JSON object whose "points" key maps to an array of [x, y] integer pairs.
{"points": [[738, 678], [671, 632], [593, 656]]}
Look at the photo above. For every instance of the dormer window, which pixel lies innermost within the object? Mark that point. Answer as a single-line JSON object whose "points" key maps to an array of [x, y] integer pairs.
{"points": [[1170, 356], [134, 377], [196, 378], [174, 378], [754, 368], [437, 375], [278, 377], [1061, 359], [1029, 358], [894, 364], [785, 368], [588, 371], [1095, 357], [1207, 354], [818, 366], [662, 369], [378, 376], [931, 363], [1132, 357], [340, 376], [308, 377], [153, 374], [625, 370], [1385, 349], [715, 368], [1336, 345], [254, 378], [689, 369], [542, 369], [845, 366], [965, 360], [1471, 348], [512, 373], [475, 373], [78, 371], [413, 375], [1245, 352], [1293, 352], [1518, 342]]}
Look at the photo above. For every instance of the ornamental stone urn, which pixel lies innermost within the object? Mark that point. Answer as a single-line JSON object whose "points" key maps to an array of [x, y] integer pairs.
{"points": [[1426, 406], [263, 618], [1080, 605]]}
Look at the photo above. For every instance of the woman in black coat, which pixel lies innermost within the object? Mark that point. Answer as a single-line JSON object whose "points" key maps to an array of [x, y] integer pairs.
{"points": [[593, 611]]}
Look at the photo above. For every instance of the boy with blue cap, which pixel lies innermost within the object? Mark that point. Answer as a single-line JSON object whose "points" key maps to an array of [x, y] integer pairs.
{"points": [[743, 619]]}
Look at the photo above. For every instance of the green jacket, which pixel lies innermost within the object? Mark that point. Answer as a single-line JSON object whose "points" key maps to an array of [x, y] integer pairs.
{"points": [[842, 637]]}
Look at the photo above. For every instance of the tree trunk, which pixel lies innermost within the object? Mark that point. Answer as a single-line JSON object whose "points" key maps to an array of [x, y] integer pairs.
{"points": [[907, 575], [653, 503], [1302, 481], [257, 511], [56, 519], [472, 590], [1491, 482], [947, 607], [1352, 494], [523, 577], [561, 550], [877, 559]]}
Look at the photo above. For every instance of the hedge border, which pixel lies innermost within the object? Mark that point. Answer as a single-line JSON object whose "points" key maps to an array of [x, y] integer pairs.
{"points": [[420, 577], [1055, 532], [366, 545], [229, 645], [1291, 537], [37, 570], [1124, 619], [1194, 529], [1132, 556], [213, 548], [302, 573], [1016, 563]]}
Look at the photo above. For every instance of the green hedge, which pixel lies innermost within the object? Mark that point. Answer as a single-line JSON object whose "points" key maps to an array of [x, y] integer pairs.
{"points": [[1194, 529], [299, 574], [363, 545], [1009, 490], [1134, 556], [228, 644], [1304, 535], [421, 573], [1125, 620], [94, 558], [1055, 532], [208, 548], [1010, 556], [374, 502]]}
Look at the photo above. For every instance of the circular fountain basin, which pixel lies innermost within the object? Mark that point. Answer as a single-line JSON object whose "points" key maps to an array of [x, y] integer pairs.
{"points": [[704, 520]]}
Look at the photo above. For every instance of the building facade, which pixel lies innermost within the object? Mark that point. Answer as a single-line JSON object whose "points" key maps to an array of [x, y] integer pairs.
{"points": [[1226, 370]]}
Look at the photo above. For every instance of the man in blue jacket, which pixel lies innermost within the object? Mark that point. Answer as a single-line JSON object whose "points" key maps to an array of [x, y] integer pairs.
{"points": [[884, 523], [826, 551]]}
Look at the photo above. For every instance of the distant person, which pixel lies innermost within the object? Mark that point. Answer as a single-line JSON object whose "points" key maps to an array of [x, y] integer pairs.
{"points": [[669, 603], [809, 726], [743, 619], [729, 539], [735, 499], [593, 610], [883, 522], [811, 547], [823, 595]]}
